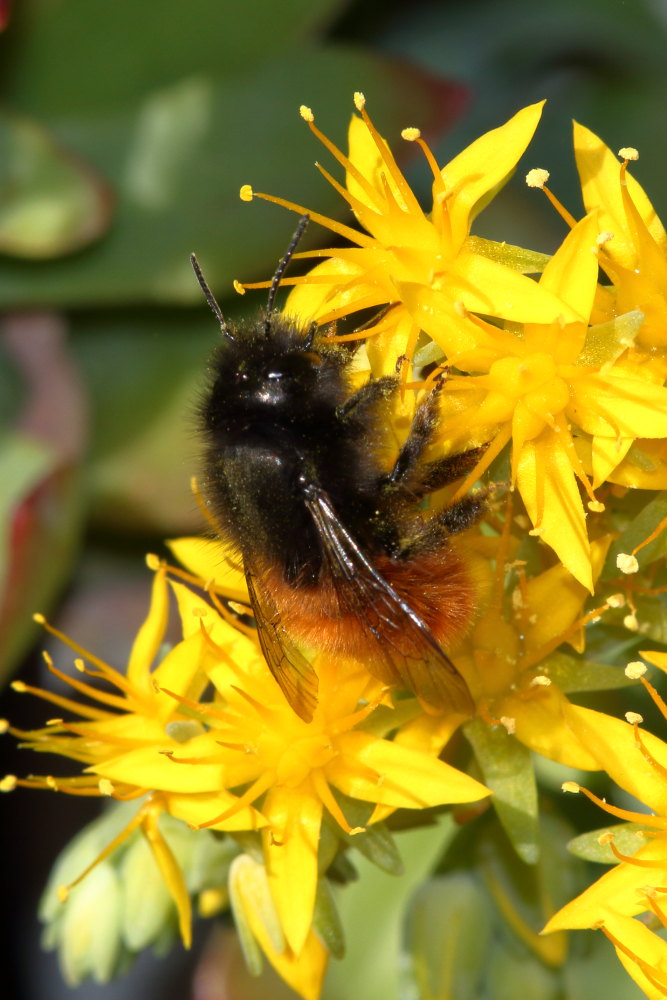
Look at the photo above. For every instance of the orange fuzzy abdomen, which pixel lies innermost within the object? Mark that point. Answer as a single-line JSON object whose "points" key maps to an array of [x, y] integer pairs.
{"points": [[439, 587]]}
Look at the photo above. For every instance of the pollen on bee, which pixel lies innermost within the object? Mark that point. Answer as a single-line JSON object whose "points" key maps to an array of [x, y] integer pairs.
{"points": [[537, 177], [627, 563], [246, 193]]}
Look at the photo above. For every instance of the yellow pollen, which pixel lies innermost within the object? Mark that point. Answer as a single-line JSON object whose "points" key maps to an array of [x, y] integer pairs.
{"points": [[628, 153], [152, 561], [19, 687], [541, 681], [238, 287], [570, 786], [626, 563], [508, 723], [246, 193], [8, 783], [63, 893], [4, 726], [605, 838], [51, 782], [634, 718], [105, 786], [410, 134], [604, 237], [79, 665], [537, 177], [595, 506], [635, 669], [631, 623], [306, 113], [359, 101], [54, 722], [39, 618], [616, 600]]}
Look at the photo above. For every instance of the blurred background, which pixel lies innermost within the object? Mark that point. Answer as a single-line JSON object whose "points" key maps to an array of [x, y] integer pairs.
{"points": [[126, 131]]}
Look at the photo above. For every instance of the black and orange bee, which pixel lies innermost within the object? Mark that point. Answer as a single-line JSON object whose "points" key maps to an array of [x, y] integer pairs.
{"points": [[338, 553]]}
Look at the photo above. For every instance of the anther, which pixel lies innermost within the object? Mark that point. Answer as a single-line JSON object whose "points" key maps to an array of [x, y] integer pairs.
{"points": [[626, 563], [537, 177], [306, 113], [246, 193]]}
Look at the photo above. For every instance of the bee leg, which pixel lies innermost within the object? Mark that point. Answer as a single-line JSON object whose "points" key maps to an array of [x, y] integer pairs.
{"points": [[365, 398], [421, 433], [443, 471], [431, 533]]}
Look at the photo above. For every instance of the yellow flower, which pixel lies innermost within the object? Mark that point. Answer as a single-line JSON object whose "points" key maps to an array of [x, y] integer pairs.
{"points": [[243, 761], [544, 388], [141, 710], [637, 761], [427, 268], [635, 257]]}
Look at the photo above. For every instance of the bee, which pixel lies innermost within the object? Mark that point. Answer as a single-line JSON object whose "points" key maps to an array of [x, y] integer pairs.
{"points": [[338, 552]]}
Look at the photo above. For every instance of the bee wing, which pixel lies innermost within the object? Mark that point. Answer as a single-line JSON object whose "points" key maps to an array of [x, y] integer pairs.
{"points": [[295, 675], [409, 652]]}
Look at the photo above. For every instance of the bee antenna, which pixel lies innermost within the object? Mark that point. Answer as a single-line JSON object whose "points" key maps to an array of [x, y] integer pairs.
{"points": [[210, 297], [280, 270]]}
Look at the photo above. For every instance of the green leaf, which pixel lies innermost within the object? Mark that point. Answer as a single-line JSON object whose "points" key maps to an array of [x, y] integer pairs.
{"points": [[326, 920], [378, 845], [637, 532], [626, 840], [53, 203], [572, 674], [177, 156], [507, 770]]}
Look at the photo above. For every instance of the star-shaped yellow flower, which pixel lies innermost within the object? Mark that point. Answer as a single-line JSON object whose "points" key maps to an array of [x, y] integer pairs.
{"points": [[422, 265], [637, 760]]}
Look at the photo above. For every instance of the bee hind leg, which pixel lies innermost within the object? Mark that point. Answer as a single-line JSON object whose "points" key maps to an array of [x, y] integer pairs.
{"points": [[432, 532]]}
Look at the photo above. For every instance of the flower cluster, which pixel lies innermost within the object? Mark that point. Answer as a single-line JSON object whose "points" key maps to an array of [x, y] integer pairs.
{"points": [[556, 365]]}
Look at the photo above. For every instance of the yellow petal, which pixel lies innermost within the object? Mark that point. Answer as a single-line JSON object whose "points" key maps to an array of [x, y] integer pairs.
{"points": [[405, 778], [209, 561], [606, 454], [618, 889], [613, 405], [171, 873], [540, 725], [572, 272], [485, 286], [484, 165], [290, 856], [151, 634], [549, 490], [197, 809], [646, 948], [612, 741], [599, 173]]}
